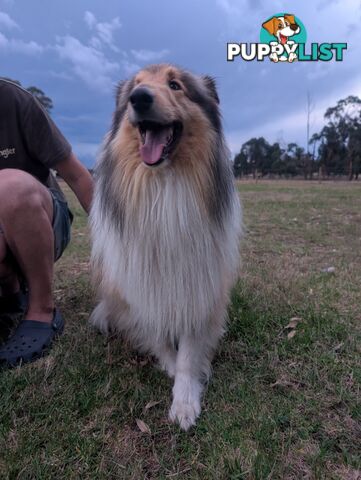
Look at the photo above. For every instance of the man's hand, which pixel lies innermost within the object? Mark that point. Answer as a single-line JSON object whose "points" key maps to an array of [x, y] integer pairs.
{"points": [[78, 178]]}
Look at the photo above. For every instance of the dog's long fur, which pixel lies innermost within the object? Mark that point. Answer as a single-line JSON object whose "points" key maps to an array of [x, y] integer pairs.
{"points": [[165, 249]]}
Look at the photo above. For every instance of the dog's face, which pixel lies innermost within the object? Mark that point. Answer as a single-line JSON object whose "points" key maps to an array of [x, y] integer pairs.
{"points": [[282, 27], [162, 108]]}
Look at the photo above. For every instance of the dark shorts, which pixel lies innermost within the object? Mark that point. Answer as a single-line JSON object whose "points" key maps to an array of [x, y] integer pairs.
{"points": [[62, 220]]}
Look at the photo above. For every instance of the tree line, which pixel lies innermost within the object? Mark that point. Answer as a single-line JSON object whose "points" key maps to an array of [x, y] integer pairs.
{"points": [[334, 151]]}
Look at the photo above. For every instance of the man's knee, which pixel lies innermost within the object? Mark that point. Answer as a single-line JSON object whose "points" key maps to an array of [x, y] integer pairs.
{"points": [[21, 194]]}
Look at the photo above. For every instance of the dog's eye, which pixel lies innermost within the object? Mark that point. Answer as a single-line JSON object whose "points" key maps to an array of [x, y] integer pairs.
{"points": [[280, 25], [174, 85]]}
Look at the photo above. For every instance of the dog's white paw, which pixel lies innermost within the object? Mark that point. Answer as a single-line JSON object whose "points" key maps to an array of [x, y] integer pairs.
{"points": [[185, 414]]}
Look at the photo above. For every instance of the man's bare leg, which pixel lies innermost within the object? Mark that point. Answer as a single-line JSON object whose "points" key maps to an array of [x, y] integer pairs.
{"points": [[26, 212]]}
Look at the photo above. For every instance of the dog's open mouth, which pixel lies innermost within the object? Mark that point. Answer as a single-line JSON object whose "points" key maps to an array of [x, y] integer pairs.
{"points": [[283, 39], [158, 141]]}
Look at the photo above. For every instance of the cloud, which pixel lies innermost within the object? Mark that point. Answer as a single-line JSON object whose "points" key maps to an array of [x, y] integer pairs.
{"points": [[326, 3], [96, 43], [7, 22], [104, 31], [291, 127], [86, 148], [83, 118], [130, 68], [88, 63], [61, 75], [149, 55], [19, 46], [244, 17], [86, 151], [15, 45], [229, 7], [90, 19], [237, 7], [320, 70]]}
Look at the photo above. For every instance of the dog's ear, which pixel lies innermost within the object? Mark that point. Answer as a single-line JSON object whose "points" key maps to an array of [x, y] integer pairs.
{"points": [[123, 89], [271, 25], [210, 83], [119, 89], [290, 18], [122, 93]]}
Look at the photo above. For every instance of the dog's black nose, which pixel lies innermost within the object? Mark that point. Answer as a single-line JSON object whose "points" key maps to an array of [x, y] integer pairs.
{"points": [[141, 99], [294, 26]]}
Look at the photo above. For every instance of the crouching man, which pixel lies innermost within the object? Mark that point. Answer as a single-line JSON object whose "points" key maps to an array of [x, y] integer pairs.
{"points": [[35, 222]]}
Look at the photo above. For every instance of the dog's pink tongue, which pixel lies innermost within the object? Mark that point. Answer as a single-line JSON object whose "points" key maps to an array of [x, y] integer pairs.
{"points": [[154, 144]]}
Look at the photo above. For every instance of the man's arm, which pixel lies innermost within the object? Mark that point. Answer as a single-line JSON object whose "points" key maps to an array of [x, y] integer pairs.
{"points": [[78, 178]]}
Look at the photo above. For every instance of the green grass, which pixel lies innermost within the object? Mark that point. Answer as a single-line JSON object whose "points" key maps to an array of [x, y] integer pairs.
{"points": [[276, 407]]}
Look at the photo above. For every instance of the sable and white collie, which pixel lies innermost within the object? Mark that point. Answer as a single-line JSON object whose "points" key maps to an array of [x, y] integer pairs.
{"points": [[166, 227]]}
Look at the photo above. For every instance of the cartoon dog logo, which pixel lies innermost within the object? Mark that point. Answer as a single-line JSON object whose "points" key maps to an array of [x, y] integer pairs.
{"points": [[282, 28]]}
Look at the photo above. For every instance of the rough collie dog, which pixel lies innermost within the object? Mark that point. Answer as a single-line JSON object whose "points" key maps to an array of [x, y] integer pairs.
{"points": [[166, 224]]}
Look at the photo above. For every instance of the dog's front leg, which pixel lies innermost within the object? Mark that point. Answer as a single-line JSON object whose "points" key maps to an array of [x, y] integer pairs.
{"points": [[167, 356], [193, 367], [187, 387]]}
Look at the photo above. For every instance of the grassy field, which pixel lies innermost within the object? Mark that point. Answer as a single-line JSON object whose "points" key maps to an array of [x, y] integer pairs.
{"points": [[284, 400]]}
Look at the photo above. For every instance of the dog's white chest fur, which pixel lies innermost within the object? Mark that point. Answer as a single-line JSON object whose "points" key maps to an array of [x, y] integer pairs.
{"points": [[169, 263]]}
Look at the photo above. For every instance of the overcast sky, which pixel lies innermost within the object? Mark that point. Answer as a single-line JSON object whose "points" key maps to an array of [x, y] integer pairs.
{"points": [[76, 51]]}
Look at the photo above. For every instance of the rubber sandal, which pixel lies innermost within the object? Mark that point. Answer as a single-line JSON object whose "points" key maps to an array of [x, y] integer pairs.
{"points": [[12, 308], [30, 341]]}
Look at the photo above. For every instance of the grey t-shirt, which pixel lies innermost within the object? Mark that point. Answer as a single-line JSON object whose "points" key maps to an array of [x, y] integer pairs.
{"points": [[29, 139]]}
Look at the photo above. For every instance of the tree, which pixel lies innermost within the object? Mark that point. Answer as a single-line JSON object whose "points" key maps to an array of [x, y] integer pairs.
{"points": [[240, 165], [255, 153], [354, 151], [45, 101], [296, 161], [276, 154], [307, 168], [314, 141], [344, 120], [331, 151]]}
